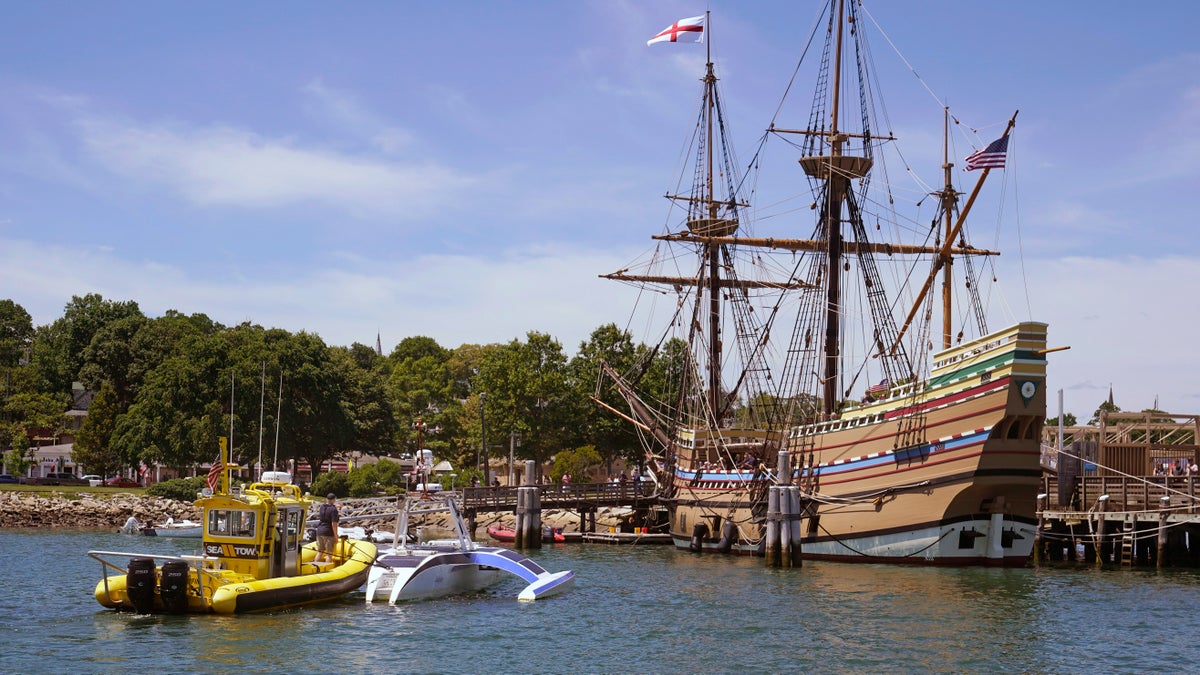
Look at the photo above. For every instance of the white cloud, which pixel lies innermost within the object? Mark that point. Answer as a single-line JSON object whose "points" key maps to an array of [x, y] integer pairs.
{"points": [[225, 166]]}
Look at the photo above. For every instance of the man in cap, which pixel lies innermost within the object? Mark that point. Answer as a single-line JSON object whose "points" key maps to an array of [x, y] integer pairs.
{"points": [[327, 529]]}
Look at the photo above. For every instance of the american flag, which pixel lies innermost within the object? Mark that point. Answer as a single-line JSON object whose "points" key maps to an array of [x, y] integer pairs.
{"points": [[991, 157], [214, 474]]}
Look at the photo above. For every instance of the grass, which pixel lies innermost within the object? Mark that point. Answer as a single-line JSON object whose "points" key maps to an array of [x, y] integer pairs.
{"points": [[69, 491]]}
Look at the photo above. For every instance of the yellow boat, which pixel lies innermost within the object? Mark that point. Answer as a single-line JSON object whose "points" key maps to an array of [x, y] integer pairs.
{"points": [[252, 559]]}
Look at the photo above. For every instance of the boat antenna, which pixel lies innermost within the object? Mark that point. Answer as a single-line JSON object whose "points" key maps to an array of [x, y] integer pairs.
{"points": [[262, 398], [278, 412], [232, 387]]}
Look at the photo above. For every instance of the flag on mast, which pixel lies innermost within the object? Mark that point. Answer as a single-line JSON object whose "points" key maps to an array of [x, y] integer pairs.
{"points": [[683, 30], [214, 474], [991, 157]]}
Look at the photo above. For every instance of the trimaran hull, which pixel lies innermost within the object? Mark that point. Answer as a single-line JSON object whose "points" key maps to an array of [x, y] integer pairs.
{"points": [[944, 472]]}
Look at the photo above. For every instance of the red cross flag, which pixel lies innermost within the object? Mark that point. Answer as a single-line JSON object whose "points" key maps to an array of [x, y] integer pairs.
{"points": [[683, 30]]}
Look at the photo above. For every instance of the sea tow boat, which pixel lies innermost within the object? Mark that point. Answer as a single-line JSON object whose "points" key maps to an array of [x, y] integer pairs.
{"points": [[252, 558], [815, 406], [451, 566]]}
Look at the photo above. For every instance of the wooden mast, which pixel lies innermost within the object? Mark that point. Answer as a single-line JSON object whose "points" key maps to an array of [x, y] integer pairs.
{"points": [[835, 183], [949, 198], [712, 251], [946, 245]]}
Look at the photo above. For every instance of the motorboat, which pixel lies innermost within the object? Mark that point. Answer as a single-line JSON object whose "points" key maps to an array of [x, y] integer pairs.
{"points": [[431, 569], [188, 529], [252, 558]]}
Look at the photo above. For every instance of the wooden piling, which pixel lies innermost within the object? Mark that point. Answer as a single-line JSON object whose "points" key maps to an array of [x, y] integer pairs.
{"points": [[772, 552]]}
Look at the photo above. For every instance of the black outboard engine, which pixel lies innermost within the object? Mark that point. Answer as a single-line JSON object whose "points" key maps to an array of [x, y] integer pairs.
{"points": [[140, 580], [173, 586], [699, 532]]}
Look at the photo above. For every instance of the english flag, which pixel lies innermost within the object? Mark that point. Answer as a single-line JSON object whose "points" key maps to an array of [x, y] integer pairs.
{"points": [[683, 30]]}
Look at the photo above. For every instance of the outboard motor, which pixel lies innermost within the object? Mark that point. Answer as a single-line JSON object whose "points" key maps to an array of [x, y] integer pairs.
{"points": [[699, 532], [140, 579], [173, 586]]}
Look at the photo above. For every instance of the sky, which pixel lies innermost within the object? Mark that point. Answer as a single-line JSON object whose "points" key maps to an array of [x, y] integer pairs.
{"points": [[465, 170]]}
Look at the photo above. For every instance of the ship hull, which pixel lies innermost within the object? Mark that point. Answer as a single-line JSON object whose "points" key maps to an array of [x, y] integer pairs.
{"points": [[944, 471]]}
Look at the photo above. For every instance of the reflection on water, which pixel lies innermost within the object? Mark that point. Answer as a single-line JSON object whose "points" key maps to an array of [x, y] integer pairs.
{"points": [[632, 610]]}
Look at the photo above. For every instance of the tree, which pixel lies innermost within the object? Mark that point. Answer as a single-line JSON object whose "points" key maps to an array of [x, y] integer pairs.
{"points": [[58, 349], [529, 392], [93, 443], [1106, 406], [420, 387], [1069, 420], [16, 333], [609, 435]]}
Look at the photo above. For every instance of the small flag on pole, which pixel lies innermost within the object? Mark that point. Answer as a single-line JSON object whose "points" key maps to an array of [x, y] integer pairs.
{"points": [[683, 30], [991, 157], [214, 474]]}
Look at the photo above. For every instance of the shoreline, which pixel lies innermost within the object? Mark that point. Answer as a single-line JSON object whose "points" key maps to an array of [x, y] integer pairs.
{"points": [[28, 510]]}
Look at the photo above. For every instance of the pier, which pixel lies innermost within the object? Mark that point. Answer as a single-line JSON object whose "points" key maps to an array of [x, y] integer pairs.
{"points": [[1124, 492]]}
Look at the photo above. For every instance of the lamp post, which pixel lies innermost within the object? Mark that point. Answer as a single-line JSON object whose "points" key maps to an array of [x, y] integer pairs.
{"points": [[422, 465], [481, 457], [452, 477]]}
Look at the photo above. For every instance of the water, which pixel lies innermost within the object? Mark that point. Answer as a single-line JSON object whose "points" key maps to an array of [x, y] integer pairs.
{"points": [[633, 609]]}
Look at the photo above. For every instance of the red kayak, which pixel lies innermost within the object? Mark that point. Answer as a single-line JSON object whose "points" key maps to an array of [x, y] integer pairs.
{"points": [[505, 533]]}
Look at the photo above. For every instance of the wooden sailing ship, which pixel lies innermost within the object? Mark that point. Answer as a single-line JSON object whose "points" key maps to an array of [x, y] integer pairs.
{"points": [[890, 453]]}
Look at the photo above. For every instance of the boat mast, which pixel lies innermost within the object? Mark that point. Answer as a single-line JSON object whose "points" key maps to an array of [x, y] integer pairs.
{"points": [[712, 251], [949, 199]]}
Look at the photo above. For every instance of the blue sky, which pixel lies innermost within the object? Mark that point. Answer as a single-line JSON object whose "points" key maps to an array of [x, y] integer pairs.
{"points": [[465, 170]]}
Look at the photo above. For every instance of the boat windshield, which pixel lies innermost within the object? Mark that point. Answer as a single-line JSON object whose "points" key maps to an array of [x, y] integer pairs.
{"points": [[231, 523]]}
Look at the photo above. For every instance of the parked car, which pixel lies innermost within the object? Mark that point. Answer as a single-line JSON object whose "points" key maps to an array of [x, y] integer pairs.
{"points": [[92, 479], [122, 482], [62, 478], [7, 478]]}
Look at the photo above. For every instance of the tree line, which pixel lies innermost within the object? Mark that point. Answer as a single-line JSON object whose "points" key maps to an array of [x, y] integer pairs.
{"points": [[165, 388]]}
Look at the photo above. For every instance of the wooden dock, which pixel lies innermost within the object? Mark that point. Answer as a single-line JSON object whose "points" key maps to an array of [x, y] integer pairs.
{"points": [[1123, 492]]}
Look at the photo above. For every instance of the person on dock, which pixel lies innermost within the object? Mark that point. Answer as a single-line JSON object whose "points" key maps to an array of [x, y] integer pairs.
{"points": [[327, 529]]}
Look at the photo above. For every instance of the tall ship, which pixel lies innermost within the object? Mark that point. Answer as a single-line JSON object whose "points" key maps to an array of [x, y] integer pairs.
{"points": [[808, 395]]}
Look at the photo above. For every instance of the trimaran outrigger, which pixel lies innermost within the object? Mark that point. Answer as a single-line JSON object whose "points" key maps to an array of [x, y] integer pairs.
{"points": [[937, 462]]}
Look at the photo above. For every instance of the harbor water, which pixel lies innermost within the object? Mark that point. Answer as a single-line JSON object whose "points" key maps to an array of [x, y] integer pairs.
{"points": [[633, 609]]}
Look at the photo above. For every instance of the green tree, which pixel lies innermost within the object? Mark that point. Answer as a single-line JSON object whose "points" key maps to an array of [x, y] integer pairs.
{"points": [[609, 435], [16, 333], [1106, 406], [58, 349], [420, 386], [1069, 420], [93, 447], [528, 391]]}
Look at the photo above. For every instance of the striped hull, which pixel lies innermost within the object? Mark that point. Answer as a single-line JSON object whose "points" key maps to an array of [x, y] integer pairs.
{"points": [[942, 472]]}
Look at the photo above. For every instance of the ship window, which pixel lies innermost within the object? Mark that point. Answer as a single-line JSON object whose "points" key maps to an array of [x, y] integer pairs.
{"points": [[231, 523], [1014, 430]]}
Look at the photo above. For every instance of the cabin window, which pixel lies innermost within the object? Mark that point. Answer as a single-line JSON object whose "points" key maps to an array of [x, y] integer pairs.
{"points": [[293, 529], [231, 523]]}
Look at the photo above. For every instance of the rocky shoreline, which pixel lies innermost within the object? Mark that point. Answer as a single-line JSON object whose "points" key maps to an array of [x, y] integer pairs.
{"points": [[49, 510], [85, 512]]}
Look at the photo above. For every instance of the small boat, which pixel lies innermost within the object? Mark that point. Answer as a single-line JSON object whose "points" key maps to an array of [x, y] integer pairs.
{"points": [[185, 528], [252, 557], [452, 566], [501, 532]]}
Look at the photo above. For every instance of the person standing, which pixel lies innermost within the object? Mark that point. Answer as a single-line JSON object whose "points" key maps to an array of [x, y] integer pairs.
{"points": [[327, 529]]}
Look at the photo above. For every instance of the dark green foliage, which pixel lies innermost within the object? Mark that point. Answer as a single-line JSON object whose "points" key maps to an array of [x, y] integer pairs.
{"points": [[180, 489], [332, 481], [383, 477]]}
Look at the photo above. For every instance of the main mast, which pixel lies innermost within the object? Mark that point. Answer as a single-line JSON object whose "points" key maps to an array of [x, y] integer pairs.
{"points": [[837, 170]]}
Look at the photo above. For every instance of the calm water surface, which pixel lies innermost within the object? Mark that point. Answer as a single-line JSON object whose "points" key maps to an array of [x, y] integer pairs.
{"points": [[633, 609]]}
